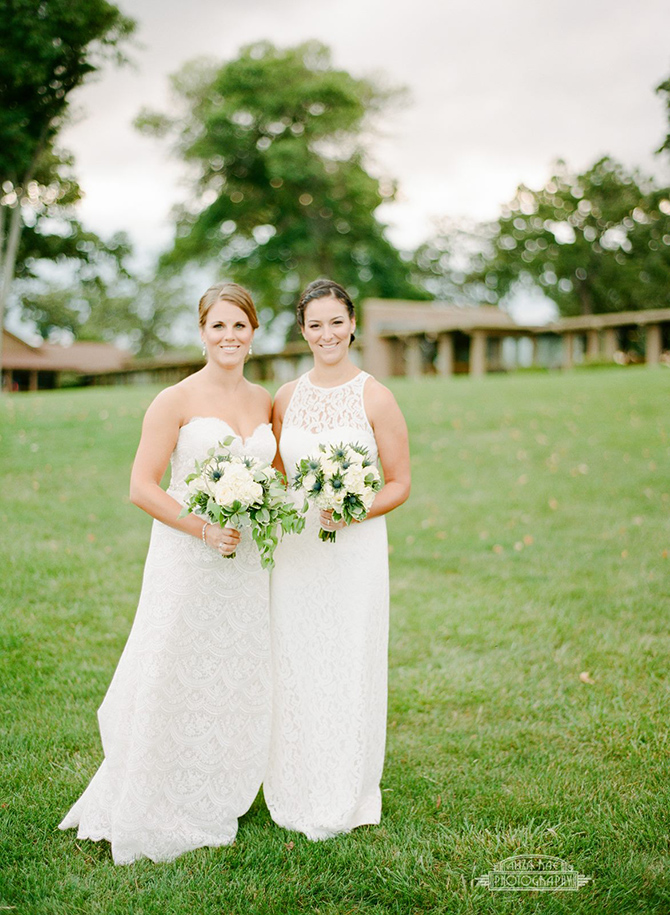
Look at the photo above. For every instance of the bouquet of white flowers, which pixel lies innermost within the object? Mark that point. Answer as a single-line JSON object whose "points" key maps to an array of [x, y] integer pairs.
{"points": [[241, 492], [341, 479]]}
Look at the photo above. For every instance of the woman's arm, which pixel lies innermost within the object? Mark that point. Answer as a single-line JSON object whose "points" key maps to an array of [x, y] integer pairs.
{"points": [[390, 430], [160, 431], [281, 402]]}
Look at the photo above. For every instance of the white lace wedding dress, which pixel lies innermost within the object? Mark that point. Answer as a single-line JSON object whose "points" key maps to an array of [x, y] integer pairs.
{"points": [[185, 723], [329, 623]]}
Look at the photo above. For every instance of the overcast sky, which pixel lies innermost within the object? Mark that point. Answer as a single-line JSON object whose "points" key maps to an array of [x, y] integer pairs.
{"points": [[498, 90]]}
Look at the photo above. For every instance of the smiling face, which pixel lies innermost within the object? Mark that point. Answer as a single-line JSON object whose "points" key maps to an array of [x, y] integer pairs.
{"points": [[328, 328], [227, 333]]}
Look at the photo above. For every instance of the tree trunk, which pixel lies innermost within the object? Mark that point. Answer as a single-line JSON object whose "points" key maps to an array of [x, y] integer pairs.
{"points": [[9, 245], [8, 253]]}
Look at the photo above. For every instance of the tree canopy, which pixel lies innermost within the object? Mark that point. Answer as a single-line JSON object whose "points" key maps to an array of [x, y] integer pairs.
{"points": [[594, 242], [47, 49], [280, 192]]}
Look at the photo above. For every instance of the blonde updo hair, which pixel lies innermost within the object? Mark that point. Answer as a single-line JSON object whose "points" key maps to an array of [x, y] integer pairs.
{"points": [[228, 292]]}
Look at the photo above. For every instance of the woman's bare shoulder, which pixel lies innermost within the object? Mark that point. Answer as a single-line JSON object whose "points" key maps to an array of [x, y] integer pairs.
{"points": [[261, 396], [285, 393], [377, 395], [170, 401]]}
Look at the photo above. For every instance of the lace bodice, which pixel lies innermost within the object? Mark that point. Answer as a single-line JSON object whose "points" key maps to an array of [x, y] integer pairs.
{"points": [[202, 433], [325, 415]]}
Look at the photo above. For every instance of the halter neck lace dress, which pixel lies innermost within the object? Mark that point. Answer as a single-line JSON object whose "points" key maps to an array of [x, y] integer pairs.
{"points": [[185, 723], [329, 624]]}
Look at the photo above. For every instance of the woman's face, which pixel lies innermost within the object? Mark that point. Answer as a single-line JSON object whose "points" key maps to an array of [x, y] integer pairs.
{"points": [[328, 328], [227, 334]]}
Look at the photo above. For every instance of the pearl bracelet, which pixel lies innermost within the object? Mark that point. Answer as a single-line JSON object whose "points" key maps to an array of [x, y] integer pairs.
{"points": [[204, 528]]}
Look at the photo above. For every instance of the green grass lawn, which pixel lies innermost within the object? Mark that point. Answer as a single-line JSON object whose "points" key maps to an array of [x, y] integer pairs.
{"points": [[528, 658]]}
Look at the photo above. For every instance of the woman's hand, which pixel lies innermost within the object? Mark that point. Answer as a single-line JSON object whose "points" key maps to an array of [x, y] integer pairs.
{"points": [[327, 523], [224, 540]]}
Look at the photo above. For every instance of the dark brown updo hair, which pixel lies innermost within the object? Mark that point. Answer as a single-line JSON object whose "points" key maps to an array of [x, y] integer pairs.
{"points": [[321, 289], [228, 292]]}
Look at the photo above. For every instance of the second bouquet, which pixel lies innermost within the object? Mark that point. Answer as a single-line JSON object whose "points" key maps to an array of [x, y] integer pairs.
{"points": [[339, 478], [243, 492]]}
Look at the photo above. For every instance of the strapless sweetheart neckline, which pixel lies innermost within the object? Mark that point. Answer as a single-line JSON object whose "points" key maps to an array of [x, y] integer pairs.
{"points": [[225, 423]]}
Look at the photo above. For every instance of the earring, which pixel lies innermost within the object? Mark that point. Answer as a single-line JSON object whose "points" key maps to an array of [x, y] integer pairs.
{"points": [[204, 350], [251, 349]]}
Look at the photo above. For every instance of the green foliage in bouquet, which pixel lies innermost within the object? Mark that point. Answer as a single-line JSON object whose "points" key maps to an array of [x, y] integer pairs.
{"points": [[241, 491]]}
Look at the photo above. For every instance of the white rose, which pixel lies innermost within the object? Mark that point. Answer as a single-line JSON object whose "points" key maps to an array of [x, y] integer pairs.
{"points": [[323, 501], [334, 498], [326, 498], [237, 473], [367, 498], [338, 498], [224, 494], [253, 492], [354, 479], [354, 457], [196, 486], [330, 468]]}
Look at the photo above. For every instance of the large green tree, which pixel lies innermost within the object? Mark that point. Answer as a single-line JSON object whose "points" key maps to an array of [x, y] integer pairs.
{"points": [[47, 49], [280, 191], [594, 242]]}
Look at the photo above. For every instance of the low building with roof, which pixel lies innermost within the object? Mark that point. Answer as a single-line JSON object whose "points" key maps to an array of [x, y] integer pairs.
{"points": [[31, 368], [399, 338], [415, 338]]}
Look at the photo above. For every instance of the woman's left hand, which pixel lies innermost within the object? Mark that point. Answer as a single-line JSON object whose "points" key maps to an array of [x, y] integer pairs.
{"points": [[327, 523], [225, 540]]}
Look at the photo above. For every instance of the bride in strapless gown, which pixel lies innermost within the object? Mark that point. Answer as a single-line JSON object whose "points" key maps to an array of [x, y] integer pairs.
{"points": [[185, 723]]}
